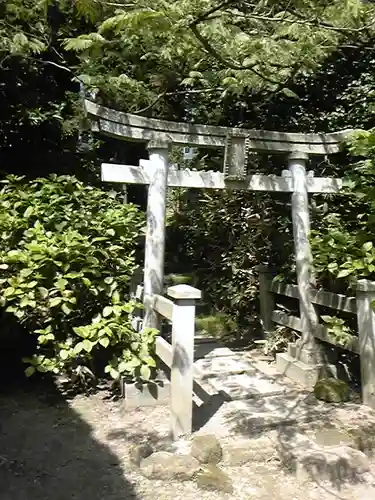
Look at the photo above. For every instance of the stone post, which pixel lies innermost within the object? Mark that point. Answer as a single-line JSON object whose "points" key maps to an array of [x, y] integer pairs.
{"points": [[155, 232], [366, 337], [266, 298], [308, 350], [182, 369]]}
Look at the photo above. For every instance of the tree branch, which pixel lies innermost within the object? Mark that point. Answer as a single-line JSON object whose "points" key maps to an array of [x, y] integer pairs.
{"points": [[208, 13], [213, 52], [150, 106], [319, 24]]}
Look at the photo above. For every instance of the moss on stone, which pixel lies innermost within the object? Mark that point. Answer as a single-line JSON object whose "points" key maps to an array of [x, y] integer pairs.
{"points": [[332, 390]]}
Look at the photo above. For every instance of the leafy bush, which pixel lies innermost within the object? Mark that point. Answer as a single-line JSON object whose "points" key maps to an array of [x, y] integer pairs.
{"points": [[343, 243], [338, 330], [217, 325], [66, 255]]}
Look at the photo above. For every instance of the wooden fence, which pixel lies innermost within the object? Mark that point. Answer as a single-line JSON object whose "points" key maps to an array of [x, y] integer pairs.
{"points": [[362, 305], [179, 309]]}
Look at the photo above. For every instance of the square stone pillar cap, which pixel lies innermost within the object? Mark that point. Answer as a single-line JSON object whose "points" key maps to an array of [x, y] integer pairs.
{"points": [[184, 292]]}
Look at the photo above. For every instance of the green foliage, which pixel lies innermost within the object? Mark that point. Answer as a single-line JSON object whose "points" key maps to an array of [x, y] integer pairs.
{"points": [[196, 46], [343, 244], [298, 66], [218, 325], [277, 340], [338, 330], [66, 255]]}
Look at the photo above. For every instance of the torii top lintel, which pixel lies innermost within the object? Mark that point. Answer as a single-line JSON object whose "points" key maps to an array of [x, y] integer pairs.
{"points": [[136, 128]]}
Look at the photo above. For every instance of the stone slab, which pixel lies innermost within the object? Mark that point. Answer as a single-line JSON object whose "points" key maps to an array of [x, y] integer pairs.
{"points": [[247, 385], [220, 351], [224, 364], [269, 369], [247, 418]]}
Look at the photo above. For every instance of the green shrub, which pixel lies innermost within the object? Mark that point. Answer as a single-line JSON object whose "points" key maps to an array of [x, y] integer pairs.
{"points": [[343, 242], [66, 257], [217, 325]]}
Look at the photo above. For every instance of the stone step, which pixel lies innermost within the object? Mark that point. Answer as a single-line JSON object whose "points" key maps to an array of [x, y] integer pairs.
{"points": [[214, 366], [252, 416], [246, 385]]}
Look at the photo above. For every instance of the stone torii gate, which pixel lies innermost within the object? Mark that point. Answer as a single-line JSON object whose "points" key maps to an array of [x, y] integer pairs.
{"points": [[155, 172]]}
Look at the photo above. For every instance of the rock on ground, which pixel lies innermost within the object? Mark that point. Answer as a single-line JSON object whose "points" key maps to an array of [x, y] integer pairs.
{"points": [[334, 464], [138, 452], [332, 390], [165, 465], [252, 450], [213, 478], [206, 449]]}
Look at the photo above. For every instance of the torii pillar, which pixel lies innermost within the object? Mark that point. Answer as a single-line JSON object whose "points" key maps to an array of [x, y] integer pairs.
{"points": [[155, 231]]}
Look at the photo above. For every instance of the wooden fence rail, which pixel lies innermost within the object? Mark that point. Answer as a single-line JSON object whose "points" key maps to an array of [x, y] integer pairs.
{"points": [[362, 305]]}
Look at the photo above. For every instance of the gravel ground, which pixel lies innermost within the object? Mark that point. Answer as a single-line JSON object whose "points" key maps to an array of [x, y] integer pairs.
{"points": [[53, 448]]}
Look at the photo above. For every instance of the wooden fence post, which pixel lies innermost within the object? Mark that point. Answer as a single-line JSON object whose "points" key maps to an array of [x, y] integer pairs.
{"points": [[182, 369], [366, 338], [266, 298], [155, 233]]}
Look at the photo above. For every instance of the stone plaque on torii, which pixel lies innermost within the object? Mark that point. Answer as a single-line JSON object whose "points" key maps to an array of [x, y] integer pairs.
{"points": [[156, 173]]}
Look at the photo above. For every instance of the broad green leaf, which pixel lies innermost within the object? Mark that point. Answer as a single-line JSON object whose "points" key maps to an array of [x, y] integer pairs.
{"points": [[28, 212], [30, 370], [24, 302], [344, 272], [123, 366], [64, 354], [134, 362], [117, 310], [290, 93], [326, 319], [66, 309], [368, 246], [55, 301], [43, 292], [149, 361], [8, 291], [114, 373], [107, 311], [104, 341], [61, 283], [87, 345], [78, 348], [145, 372], [115, 297]]}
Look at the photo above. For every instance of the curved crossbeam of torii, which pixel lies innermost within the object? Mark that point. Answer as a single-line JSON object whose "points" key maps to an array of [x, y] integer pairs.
{"points": [[238, 142]]}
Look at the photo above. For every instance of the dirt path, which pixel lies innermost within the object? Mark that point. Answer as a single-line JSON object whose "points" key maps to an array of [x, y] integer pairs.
{"points": [[51, 448]]}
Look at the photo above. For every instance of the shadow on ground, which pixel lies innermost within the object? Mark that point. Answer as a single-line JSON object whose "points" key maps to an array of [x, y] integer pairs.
{"points": [[295, 420], [48, 452]]}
